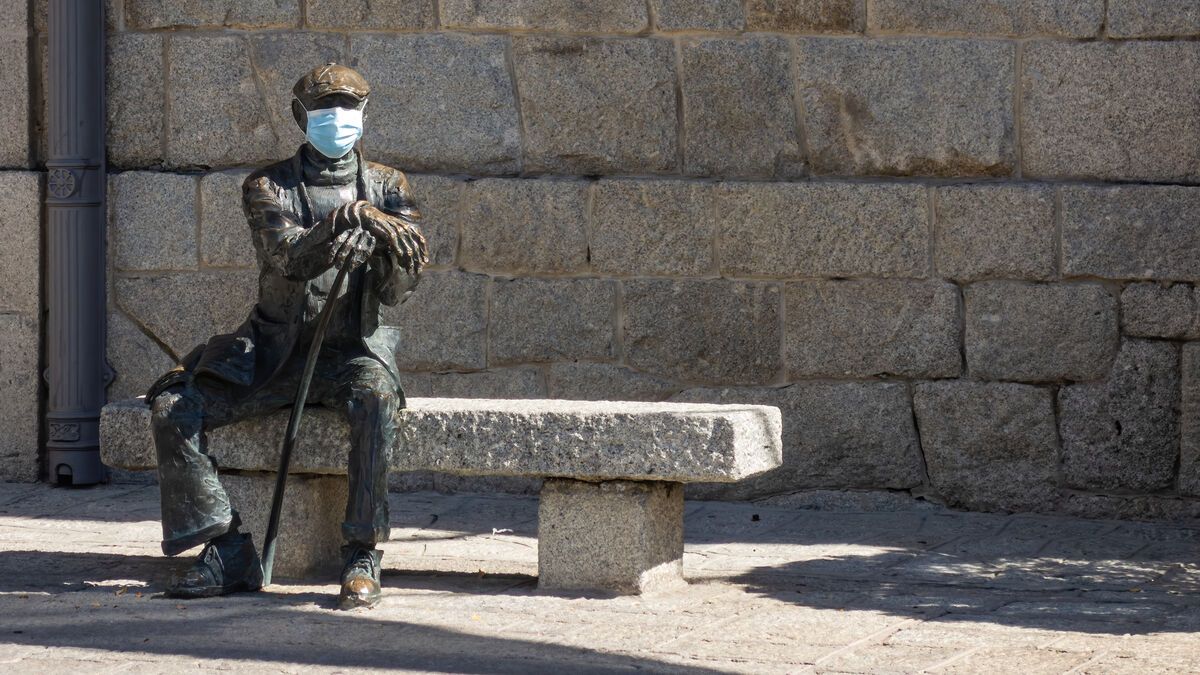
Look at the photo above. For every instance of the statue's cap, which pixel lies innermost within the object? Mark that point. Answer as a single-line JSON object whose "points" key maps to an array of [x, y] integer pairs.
{"points": [[330, 78]]}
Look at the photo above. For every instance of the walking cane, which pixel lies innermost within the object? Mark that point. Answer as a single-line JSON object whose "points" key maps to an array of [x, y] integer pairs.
{"points": [[293, 427]]}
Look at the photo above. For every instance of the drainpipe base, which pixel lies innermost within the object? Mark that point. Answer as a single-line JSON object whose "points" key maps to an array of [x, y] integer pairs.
{"points": [[75, 467]]}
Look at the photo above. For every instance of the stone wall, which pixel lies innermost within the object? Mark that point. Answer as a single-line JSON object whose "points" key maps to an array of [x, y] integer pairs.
{"points": [[20, 227], [954, 241]]}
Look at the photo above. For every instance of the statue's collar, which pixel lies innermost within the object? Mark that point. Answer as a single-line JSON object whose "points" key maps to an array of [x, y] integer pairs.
{"points": [[321, 170]]}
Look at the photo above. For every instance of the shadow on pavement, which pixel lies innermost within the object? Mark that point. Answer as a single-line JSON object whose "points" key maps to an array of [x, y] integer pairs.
{"points": [[66, 572], [113, 603], [97, 503], [58, 572], [241, 631]]}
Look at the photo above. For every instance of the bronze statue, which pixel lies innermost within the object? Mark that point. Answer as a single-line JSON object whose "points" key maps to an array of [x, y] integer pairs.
{"points": [[308, 215]]}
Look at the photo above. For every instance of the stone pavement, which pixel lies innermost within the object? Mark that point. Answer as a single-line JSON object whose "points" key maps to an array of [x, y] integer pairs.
{"points": [[860, 586]]}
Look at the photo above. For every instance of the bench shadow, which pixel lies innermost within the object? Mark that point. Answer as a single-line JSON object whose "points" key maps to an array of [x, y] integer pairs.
{"points": [[1037, 572], [435, 580], [1051, 605]]}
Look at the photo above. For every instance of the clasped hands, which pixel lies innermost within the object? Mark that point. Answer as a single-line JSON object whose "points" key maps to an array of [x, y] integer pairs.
{"points": [[361, 230]]}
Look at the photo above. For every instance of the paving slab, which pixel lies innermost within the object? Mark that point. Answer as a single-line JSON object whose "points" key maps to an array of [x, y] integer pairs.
{"points": [[771, 589]]}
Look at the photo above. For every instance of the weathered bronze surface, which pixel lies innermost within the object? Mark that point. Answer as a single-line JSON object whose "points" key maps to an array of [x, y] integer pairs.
{"points": [[308, 215]]}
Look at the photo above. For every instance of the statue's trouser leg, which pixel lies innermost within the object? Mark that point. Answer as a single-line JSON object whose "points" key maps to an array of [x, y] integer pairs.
{"points": [[369, 397], [195, 507]]}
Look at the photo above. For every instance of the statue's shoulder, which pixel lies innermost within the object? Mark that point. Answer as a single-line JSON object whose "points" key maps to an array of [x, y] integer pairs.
{"points": [[391, 188], [385, 175], [273, 177]]}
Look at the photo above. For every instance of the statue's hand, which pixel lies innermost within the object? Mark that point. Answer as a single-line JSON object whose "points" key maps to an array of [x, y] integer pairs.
{"points": [[356, 245], [399, 236], [348, 216]]}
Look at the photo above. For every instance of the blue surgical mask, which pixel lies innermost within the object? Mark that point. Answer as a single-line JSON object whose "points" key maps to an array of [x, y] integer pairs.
{"points": [[334, 131]]}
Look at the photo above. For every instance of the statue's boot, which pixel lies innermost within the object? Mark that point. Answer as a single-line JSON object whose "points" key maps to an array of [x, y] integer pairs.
{"points": [[228, 564], [360, 577]]}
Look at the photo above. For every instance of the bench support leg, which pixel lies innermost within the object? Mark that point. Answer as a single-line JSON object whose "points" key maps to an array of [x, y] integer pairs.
{"points": [[617, 536], [310, 527]]}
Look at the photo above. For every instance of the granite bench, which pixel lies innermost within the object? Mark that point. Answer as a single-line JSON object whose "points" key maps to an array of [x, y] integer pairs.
{"points": [[611, 511]]}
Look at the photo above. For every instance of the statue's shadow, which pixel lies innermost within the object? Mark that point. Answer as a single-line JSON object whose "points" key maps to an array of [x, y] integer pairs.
{"points": [[59, 600]]}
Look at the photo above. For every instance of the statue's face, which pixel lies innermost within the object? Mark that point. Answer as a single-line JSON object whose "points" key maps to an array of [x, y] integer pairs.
{"points": [[339, 101], [331, 101]]}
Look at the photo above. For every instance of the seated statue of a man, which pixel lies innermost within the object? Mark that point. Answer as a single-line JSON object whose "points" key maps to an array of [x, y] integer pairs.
{"points": [[309, 216]]}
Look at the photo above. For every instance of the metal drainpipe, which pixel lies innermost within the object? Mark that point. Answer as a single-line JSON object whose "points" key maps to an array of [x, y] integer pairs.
{"points": [[76, 370]]}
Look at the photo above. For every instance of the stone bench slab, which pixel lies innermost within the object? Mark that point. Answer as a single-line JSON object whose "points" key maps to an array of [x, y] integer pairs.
{"points": [[585, 440]]}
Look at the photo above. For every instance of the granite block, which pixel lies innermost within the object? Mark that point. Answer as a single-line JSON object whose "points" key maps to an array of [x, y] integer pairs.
{"points": [[897, 107], [596, 105], [717, 331]]}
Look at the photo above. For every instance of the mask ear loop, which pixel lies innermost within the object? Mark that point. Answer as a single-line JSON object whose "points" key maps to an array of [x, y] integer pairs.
{"points": [[310, 215], [361, 179], [306, 204], [298, 104]]}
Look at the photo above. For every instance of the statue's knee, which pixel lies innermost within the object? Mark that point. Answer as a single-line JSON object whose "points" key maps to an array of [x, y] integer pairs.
{"points": [[171, 409], [371, 402]]}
